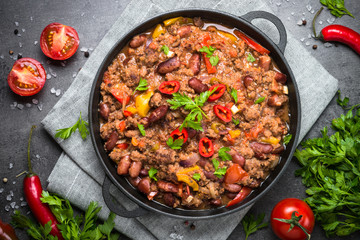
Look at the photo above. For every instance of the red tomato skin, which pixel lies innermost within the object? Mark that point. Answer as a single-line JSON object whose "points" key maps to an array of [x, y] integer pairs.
{"points": [[284, 209], [234, 174], [54, 54], [13, 76]]}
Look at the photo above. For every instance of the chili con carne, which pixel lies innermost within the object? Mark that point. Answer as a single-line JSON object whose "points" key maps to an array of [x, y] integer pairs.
{"points": [[223, 113], [169, 87], [254, 45], [219, 91], [206, 148], [176, 134], [244, 192]]}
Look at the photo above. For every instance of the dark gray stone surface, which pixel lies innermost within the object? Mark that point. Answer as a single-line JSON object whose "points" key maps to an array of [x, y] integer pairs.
{"points": [[92, 19]]}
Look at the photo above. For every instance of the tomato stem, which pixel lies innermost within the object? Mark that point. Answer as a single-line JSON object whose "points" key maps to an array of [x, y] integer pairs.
{"points": [[294, 221], [313, 22], [28, 150]]}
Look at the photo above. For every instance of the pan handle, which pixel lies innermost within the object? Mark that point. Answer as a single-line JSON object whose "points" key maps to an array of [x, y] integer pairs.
{"points": [[115, 208], [275, 20]]}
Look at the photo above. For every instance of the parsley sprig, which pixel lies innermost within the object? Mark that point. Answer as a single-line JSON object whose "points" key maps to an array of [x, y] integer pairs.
{"points": [[177, 144], [250, 58], [223, 154], [251, 224], [81, 125], [141, 129], [219, 172], [196, 176], [233, 93], [152, 173], [214, 60], [336, 7], [143, 85], [165, 49]]}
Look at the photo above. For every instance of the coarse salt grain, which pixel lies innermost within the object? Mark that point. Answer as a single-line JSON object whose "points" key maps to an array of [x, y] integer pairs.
{"points": [[35, 101], [28, 105], [58, 92], [40, 107], [20, 44], [20, 106], [7, 208], [300, 22], [83, 49], [307, 43], [52, 90], [35, 43], [11, 165], [12, 205], [48, 76], [17, 24], [23, 29], [1, 190], [302, 39]]}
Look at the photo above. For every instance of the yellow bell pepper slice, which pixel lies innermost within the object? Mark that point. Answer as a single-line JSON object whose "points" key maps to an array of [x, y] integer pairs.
{"points": [[133, 110], [231, 37], [142, 103], [187, 170], [234, 133], [158, 30], [171, 21], [188, 180], [271, 140]]}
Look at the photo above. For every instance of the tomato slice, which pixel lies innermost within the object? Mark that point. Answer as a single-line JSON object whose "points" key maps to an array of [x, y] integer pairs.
{"points": [[119, 92], [169, 87], [123, 145], [254, 45], [223, 113], [27, 77], [234, 174], [244, 192], [176, 134], [219, 91], [58, 41], [206, 147]]}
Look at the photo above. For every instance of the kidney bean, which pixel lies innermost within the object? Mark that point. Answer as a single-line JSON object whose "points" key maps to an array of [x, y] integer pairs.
{"points": [[234, 188], [158, 113], [261, 147], [184, 31], [191, 160], [280, 77], [231, 195], [123, 166], [247, 81], [255, 183], [216, 202], [169, 65], [135, 168], [191, 132], [111, 142], [202, 162], [210, 175], [138, 40], [278, 150], [134, 181], [197, 85], [194, 63], [144, 172], [237, 158], [198, 22], [104, 110], [264, 62], [144, 185], [167, 186], [169, 199], [145, 122]]}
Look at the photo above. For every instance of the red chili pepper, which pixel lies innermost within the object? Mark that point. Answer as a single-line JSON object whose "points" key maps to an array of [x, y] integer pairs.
{"points": [[127, 113], [176, 134], [223, 113], [123, 145], [206, 148], [205, 40], [220, 89], [210, 68], [118, 91], [7, 232], [339, 33], [33, 190], [169, 87], [254, 45], [244, 192], [122, 126]]}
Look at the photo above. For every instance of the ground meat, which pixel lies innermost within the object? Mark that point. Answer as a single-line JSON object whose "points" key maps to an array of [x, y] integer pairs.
{"points": [[155, 100]]}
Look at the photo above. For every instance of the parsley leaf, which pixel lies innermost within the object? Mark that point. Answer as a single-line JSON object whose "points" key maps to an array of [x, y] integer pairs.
{"points": [[219, 172], [152, 173], [142, 86], [223, 154], [141, 129], [196, 176], [208, 50], [214, 60], [177, 144], [235, 121], [81, 125], [250, 58], [287, 139], [165, 49], [343, 103], [259, 100], [251, 225], [336, 7], [233, 93]]}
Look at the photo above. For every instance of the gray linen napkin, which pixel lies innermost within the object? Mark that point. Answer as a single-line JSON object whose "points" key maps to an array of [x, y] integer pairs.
{"points": [[78, 174]]}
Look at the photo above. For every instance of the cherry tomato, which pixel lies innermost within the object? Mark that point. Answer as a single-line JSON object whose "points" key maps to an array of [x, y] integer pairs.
{"points": [[244, 192], [58, 41], [27, 77], [234, 174], [119, 92], [223, 113], [206, 148], [220, 89], [176, 134], [284, 210], [169, 87]]}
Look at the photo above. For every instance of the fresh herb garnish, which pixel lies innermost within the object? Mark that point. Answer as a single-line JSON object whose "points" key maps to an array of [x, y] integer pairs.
{"points": [[223, 154], [259, 100], [250, 58], [330, 171], [81, 125], [196, 176], [235, 121], [287, 139], [142, 85], [165, 49], [177, 144], [233, 93], [251, 225], [208, 50], [214, 60], [219, 172], [343, 103], [152, 173], [141, 129], [336, 7]]}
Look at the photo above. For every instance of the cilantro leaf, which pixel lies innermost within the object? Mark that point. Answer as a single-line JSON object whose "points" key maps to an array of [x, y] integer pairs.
{"points": [[250, 58], [336, 7], [235, 121], [141, 129], [223, 154], [196, 176], [143, 86], [81, 125], [152, 173], [215, 163], [177, 144], [259, 100], [208, 50], [251, 224], [108, 225], [233, 93], [214, 60], [165, 49], [343, 103], [219, 172], [287, 139]]}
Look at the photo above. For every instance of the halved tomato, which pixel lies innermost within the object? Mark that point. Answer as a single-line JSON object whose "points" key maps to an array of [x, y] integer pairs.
{"points": [[58, 41], [27, 77]]}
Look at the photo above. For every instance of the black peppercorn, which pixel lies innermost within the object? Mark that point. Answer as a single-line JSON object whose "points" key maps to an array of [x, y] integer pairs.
{"points": [[304, 22], [11, 52], [86, 54], [192, 226], [16, 31], [314, 47], [19, 56]]}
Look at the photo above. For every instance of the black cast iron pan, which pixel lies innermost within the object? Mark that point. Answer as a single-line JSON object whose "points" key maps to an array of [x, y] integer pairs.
{"points": [[242, 23]]}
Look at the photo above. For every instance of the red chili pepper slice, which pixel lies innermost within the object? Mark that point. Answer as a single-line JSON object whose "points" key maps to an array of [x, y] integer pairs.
{"points": [[206, 148], [254, 45], [220, 90], [176, 134], [127, 113], [123, 145], [119, 92], [223, 113], [210, 68], [169, 87], [122, 126], [244, 192], [205, 40]]}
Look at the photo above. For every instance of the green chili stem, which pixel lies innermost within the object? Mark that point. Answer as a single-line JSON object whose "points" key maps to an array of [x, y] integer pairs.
{"points": [[28, 150], [314, 19]]}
